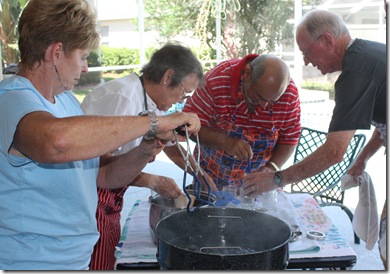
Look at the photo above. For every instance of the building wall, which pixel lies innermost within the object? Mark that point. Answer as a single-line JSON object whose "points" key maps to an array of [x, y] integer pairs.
{"points": [[116, 9], [120, 18]]}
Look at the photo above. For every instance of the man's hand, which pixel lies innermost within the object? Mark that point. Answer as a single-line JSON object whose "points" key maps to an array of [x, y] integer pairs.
{"points": [[357, 168], [256, 183], [207, 179], [238, 148]]}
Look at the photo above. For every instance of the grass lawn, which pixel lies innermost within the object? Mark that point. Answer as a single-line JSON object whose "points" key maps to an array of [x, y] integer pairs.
{"points": [[80, 94]]}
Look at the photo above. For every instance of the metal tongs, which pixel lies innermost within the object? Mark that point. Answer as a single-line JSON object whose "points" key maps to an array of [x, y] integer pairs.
{"points": [[197, 184]]}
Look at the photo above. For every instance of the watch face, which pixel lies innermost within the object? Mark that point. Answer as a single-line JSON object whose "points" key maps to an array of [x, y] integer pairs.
{"points": [[278, 179]]}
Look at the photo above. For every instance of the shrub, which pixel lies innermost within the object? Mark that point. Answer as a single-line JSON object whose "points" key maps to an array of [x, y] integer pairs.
{"points": [[320, 86], [119, 57], [123, 56], [93, 77]]}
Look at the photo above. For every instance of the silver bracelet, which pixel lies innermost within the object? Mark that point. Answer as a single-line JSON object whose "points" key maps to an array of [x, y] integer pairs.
{"points": [[151, 134]]}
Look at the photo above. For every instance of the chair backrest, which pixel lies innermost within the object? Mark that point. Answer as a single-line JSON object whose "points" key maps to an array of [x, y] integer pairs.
{"points": [[325, 186]]}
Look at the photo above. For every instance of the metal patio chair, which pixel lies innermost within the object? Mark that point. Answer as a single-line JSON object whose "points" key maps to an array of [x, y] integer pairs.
{"points": [[325, 187]]}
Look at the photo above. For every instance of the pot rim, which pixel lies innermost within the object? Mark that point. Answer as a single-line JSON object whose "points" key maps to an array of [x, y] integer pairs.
{"points": [[281, 245], [153, 197]]}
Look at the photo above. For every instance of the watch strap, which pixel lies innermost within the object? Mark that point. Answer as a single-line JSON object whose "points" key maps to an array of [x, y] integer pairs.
{"points": [[278, 179], [151, 134]]}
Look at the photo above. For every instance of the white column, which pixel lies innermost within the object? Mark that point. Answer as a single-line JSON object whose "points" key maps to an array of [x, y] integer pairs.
{"points": [[298, 60], [141, 31], [1, 64], [218, 28]]}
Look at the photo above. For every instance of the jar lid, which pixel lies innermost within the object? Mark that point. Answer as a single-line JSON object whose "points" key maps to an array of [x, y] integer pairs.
{"points": [[315, 235]]}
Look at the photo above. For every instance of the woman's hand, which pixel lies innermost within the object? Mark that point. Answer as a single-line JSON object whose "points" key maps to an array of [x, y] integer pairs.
{"points": [[166, 187], [168, 123], [151, 147]]}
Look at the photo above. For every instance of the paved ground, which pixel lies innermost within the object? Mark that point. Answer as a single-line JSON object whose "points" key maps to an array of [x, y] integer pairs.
{"points": [[316, 112]]}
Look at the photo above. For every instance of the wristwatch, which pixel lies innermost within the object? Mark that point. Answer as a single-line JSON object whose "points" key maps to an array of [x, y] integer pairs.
{"points": [[278, 179], [153, 124]]}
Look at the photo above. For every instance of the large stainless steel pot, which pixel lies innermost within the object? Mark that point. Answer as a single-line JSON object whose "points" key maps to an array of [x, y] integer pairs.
{"points": [[216, 238], [161, 207]]}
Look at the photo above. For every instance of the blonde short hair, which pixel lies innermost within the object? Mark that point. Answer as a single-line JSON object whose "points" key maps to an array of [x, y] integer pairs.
{"points": [[44, 22]]}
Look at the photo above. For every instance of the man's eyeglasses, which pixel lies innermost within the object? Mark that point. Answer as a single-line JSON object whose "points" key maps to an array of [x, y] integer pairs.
{"points": [[307, 52], [185, 94]]}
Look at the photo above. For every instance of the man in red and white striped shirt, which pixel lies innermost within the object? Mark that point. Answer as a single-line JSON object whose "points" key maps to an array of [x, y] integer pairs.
{"points": [[250, 114]]}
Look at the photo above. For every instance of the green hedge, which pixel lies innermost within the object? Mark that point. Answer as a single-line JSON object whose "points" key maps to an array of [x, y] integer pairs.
{"points": [[93, 77], [119, 57], [320, 86], [123, 56]]}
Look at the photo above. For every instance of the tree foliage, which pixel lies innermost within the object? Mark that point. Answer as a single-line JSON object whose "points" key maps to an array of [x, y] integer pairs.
{"points": [[169, 17], [247, 26], [9, 18], [261, 25]]}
